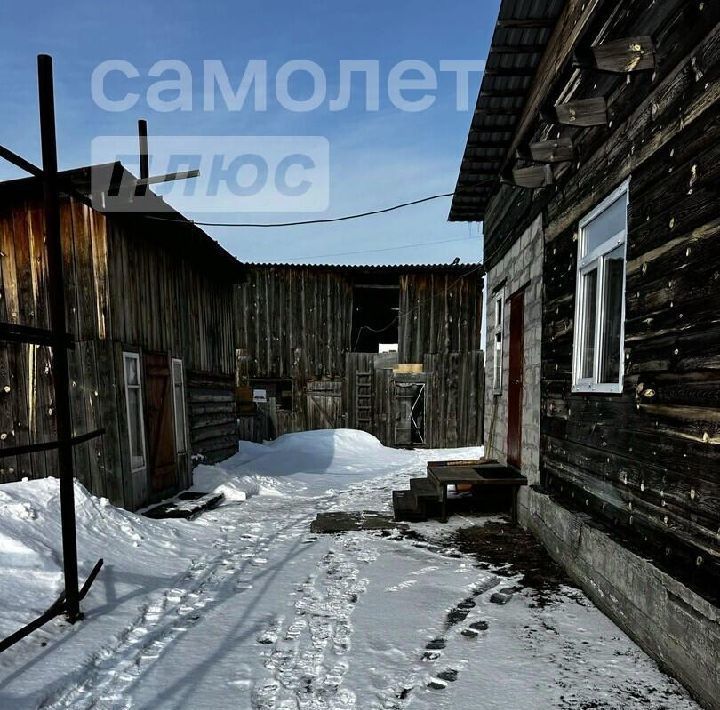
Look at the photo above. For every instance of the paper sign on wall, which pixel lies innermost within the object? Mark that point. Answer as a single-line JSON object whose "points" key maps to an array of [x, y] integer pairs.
{"points": [[259, 395]]}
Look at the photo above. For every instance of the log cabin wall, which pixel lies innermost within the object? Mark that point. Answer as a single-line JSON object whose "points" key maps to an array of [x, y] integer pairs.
{"points": [[643, 465], [126, 291], [296, 333], [646, 462]]}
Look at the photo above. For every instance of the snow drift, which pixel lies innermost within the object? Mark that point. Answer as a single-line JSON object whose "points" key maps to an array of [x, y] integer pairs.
{"points": [[31, 544], [320, 460]]}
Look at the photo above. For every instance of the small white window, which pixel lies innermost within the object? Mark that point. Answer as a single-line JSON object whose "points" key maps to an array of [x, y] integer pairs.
{"points": [[498, 343], [179, 406], [600, 297], [134, 404]]}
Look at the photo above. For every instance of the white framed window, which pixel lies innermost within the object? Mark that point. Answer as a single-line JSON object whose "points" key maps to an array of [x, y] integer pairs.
{"points": [[134, 405], [600, 297], [498, 341], [178, 385]]}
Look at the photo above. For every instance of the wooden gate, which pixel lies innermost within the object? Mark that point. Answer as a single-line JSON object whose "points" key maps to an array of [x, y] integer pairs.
{"points": [[162, 465], [515, 379], [325, 404], [409, 410]]}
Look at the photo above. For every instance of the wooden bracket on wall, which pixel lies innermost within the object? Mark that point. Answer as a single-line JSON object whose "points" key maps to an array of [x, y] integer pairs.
{"points": [[619, 56], [533, 177], [551, 151], [583, 112]]}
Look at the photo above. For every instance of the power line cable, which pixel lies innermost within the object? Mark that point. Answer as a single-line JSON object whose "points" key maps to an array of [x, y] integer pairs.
{"points": [[327, 220], [373, 251]]}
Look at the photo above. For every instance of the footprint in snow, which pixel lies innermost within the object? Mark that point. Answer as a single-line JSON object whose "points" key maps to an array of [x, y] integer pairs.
{"points": [[270, 635], [435, 645], [474, 629], [455, 616], [450, 675]]}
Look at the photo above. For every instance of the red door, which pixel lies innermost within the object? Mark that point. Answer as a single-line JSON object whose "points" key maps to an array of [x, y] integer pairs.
{"points": [[162, 465], [515, 379]]}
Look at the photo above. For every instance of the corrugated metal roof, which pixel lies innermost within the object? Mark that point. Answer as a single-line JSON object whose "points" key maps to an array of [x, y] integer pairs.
{"points": [[375, 268], [521, 34]]}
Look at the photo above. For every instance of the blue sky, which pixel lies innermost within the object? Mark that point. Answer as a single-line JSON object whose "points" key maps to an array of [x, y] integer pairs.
{"points": [[376, 158]]}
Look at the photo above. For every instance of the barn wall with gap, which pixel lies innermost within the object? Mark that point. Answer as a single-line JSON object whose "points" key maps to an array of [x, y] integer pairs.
{"points": [[296, 322]]}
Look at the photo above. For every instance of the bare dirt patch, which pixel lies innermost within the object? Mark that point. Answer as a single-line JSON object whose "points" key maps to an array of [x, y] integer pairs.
{"points": [[508, 550]]}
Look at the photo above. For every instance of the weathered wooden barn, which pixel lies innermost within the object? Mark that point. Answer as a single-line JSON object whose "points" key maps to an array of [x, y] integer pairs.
{"points": [[392, 350], [593, 160], [153, 361]]}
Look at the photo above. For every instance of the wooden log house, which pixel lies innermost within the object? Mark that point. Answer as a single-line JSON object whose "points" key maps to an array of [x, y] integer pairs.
{"points": [[603, 300], [392, 350], [153, 361]]}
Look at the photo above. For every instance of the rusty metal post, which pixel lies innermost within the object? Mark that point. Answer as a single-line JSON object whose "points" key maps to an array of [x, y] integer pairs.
{"points": [[56, 287]]}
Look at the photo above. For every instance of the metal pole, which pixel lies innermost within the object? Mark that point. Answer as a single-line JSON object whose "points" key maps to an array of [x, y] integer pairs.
{"points": [[141, 188], [144, 155], [56, 288]]}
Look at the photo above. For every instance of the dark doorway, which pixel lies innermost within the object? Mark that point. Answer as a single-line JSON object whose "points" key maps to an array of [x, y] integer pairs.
{"points": [[375, 316], [410, 413], [162, 465], [515, 379]]}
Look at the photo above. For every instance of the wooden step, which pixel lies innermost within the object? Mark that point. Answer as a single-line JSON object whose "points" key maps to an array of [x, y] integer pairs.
{"points": [[428, 496], [407, 507], [187, 505], [423, 488]]}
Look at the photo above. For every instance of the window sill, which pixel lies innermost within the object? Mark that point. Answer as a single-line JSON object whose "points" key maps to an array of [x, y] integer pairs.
{"points": [[597, 389]]}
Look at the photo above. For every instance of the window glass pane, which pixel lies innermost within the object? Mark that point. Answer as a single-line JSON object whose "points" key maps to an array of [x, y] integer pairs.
{"points": [[611, 347], [497, 369], [179, 418], [131, 371], [589, 306], [607, 224], [135, 427]]}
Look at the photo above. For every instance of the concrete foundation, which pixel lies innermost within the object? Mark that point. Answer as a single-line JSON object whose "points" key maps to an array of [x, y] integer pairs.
{"points": [[670, 622]]}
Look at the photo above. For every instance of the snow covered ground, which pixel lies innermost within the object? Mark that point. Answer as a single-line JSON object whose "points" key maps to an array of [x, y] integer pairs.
{"points": [[245, 608]]}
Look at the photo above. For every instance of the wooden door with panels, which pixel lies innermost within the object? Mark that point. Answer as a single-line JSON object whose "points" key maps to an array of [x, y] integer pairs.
{"points": [[162, 462], [516, 366]]}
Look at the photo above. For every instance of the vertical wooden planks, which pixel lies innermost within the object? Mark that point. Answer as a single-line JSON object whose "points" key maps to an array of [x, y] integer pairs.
{"points": [[22, 355]]}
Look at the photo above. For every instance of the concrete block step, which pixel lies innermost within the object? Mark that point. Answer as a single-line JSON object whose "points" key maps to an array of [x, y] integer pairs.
{"points": [[423, 488], [407, 507]]}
